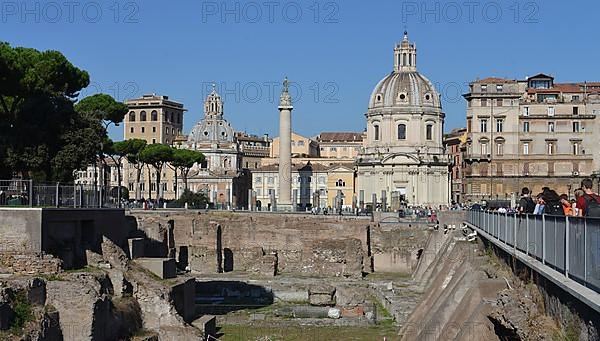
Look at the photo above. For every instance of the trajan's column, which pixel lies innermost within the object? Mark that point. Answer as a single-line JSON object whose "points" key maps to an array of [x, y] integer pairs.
{"points": [[285, 149]]}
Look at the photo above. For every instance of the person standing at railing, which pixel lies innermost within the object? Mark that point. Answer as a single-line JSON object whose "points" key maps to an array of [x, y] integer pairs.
{"points": [[540, 205], [589, 202], [526, 204], [566, 205]]}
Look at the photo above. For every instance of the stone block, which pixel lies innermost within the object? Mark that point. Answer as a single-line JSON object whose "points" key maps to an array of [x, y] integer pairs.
{"points": [[184, 296], [346, 296], [36, 292], [136, 248], [161, 267], [208, 325], [321, 295], [268, 265]]}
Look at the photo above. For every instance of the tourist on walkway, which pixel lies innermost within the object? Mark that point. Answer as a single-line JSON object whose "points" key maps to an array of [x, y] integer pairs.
{"points": [[526, 204], [588, 203]]}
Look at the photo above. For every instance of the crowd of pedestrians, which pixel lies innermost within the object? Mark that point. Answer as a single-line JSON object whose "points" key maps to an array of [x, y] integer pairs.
{"points": [[585, 204]]}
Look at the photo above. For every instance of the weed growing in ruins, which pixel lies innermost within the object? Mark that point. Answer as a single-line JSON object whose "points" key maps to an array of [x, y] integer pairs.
{"points": [[23, 313]]}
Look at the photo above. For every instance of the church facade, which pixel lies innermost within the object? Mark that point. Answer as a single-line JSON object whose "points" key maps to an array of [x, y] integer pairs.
{"points": [[403, 160], [222, 177]]}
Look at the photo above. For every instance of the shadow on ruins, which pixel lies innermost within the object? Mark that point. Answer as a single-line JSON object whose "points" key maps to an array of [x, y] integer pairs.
{"points": [[223, 297]]}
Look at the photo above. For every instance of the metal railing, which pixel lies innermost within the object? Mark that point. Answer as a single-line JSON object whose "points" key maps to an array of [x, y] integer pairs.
{"points": [[27, 193], [569, 245]]}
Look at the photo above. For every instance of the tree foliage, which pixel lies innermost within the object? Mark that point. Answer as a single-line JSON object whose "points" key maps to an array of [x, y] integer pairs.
{"points": [[102, 107], [194, 200], [157, 155], [43, 135]]}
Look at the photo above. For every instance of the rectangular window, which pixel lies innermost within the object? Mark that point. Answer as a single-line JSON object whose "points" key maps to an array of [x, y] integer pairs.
{"points": [[500, 149], [153, 141], [575, 110], [258, 179], [131, 130], [550, 127], [576, 148], [270, 180], [333, 149], [143, 129], [575, 98], [483, 87], [484, 149], [484, 102], [575, 127], [550, 148], [499, 87], [550, 111], [499, 102], [152, 187], [376, 133], [259, 192], [526, 111], [499, 125], [429, 132], [483, 125], [468, 125], [525, 127], [525, 148]]}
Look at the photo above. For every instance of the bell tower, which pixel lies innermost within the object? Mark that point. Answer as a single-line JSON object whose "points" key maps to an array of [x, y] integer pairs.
{"points": [[405, 56], [213, 105]]}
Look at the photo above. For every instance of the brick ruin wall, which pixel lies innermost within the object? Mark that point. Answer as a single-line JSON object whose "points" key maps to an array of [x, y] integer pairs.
{"points": [[283, 243], [263, 243]]}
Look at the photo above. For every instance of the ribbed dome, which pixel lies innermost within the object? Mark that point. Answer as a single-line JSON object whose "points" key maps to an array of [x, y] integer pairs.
{"points": [[404, 89]]}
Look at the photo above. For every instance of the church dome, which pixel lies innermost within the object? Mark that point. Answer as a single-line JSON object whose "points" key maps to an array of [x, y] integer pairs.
{"points": [[405, 87], [213, 128]]}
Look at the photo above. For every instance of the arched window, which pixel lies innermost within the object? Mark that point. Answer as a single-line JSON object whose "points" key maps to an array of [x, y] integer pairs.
{"points": [[402, 131], [132, 116], [143, 116], [376, 132], [404, 59], [409, 59], [154, 115], [340, 183], [429, 132]]}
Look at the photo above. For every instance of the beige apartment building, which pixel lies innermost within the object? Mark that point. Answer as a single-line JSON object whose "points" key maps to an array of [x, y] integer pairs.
{"points": [[455, 145], [313, 185], [340, 145], [153, 118], [301, 147], [529, 133]]}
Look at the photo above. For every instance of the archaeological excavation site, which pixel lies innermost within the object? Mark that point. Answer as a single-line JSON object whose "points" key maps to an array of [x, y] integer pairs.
{"points": [[198, 275]]}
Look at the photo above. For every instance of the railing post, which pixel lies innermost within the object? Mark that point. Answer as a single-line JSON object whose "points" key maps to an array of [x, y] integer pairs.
{"points": [[515, 233], [57, 195], [543, 239], [74, 196], [30, 193], [505, 228], [585, 251], [567, 246], [527, 234]]}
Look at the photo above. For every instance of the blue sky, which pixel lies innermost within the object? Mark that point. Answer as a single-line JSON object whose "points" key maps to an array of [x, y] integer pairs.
{"points": [[334, 52]]}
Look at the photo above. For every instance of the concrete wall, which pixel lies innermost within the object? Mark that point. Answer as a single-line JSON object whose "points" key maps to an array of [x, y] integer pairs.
{"points": [[64, 233], [20, 229]]}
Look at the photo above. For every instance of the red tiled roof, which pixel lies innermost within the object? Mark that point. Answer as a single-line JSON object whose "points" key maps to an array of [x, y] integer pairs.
{"points": [[495, 80], [340, 136]]}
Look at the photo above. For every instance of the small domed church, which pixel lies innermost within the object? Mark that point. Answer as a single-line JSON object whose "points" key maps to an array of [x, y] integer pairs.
{"points": [[403, 160]]}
